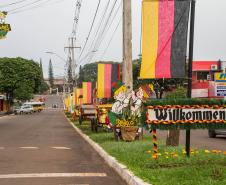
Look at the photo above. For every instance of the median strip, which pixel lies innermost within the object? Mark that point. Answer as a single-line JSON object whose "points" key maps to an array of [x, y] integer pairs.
{"points": [[51, 175], [29, 147], [61, 148]]}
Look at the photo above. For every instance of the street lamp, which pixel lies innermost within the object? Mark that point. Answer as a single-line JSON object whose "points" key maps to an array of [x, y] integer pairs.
{"points": [[53, 53]]}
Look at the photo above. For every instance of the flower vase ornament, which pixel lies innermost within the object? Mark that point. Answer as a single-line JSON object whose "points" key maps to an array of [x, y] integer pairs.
{"points": [[125, 113]]}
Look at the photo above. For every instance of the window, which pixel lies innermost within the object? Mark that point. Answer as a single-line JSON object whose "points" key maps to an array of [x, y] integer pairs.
{"points": [[202, 75]]}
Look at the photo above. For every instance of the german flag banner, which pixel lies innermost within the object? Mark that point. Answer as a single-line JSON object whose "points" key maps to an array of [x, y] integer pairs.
{"points": [[164, 38], [78, 97], [107, 75], [87, 92]]}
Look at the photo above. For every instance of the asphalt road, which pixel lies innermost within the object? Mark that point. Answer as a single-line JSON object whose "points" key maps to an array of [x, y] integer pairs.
{"points": [[200, 140], [36, 149]]}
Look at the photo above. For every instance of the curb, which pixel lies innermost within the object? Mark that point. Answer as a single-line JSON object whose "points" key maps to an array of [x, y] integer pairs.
{"points": [[121, 169]]}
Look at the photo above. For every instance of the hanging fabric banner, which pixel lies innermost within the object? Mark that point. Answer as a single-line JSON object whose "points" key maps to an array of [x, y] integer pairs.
{"points": [[87, 92], [107, 75], [164, 38]]}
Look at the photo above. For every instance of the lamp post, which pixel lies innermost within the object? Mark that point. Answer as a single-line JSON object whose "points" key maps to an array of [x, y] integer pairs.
{"points": [[53, 53]]}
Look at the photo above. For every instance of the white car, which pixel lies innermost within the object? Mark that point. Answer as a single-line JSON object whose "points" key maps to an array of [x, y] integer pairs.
{"points": [[214, 133], [27, 109]]}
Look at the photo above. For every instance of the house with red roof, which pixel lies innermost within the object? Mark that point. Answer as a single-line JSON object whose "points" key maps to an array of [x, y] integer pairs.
{"points": [[203, 78]]}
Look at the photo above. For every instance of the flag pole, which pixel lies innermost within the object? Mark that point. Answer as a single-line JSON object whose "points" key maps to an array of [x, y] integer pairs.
{"points": [[190, 60]]}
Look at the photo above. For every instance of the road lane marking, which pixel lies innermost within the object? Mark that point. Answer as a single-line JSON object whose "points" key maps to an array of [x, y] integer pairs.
{"points": [[29, 147], [61, 148], [2, 148], [51, 175]]}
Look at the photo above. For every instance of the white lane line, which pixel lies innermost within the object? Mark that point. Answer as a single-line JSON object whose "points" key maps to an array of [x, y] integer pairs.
{"points": [[2, 148], [51, 175], [61, 148], [29, 147]]}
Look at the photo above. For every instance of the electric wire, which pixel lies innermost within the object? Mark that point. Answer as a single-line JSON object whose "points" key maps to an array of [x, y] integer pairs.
{"points": [[110, 41], [10, 4], [98, 29], [94, 18], [26, 5], [109, 26], [46, 3], [103, 30]]}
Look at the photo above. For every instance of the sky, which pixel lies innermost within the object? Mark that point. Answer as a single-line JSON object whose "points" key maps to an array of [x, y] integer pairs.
{"points": [[46, 26]]}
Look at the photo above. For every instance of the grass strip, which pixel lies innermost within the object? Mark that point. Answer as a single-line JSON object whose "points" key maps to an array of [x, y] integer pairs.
{"points": [[172, 166]]}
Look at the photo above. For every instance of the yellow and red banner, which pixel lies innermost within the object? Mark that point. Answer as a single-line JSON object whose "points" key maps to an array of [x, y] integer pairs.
{"points": [[87, 92], [164, 38], [107, 75]]}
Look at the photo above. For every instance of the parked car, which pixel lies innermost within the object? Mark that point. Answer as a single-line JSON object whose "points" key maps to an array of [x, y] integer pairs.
{"points": [[27, 109], [37, 106], [214, 133]]}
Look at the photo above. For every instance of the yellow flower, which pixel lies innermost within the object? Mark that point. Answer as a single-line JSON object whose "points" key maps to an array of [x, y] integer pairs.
{"points": [[149, 152], [167, 153], [175, 155], [167, 157], [154, 157], [158, 154], [216, 151], [207, 151], [224, 153]]}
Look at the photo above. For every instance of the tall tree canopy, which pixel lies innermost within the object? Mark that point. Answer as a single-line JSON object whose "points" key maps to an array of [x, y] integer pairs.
{"points": [[51, 77], [19, 78]]}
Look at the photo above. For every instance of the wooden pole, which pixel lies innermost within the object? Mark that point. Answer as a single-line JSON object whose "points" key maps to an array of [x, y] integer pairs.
{"points": [[127, 72], [191, 48]]}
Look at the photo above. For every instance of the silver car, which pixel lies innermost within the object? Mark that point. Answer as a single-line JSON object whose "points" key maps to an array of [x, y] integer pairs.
{"points": [[214, 133], [27, 109]]}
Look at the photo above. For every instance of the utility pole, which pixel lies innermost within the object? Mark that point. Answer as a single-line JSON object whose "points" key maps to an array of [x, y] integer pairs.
{"points": [[71, 65], [127, 45]]}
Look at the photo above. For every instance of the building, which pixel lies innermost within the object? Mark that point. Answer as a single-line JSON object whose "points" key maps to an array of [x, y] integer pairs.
{"points": [[4, 106], [204, 79], [59, 82]]}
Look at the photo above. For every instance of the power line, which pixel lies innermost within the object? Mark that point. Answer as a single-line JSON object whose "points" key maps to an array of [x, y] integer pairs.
{"points": [[26, 5], [35, 7], [10, 4], [100, 23], [103, 29], [109, 43], [94, 18]]}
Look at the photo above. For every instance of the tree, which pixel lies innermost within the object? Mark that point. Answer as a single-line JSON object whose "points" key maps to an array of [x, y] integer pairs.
{"points": [[41, 69], [51, 78], [80, 76], [173, 136], [43, 87], [17, 76]]}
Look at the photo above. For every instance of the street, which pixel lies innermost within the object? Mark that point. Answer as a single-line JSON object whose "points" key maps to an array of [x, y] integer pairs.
{"points": [[200, 140], [44, 149]]}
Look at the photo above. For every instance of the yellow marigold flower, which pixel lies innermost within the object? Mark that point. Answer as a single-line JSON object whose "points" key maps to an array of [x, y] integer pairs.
{"points": [[207, 151], [175, 155], [216, 151], [154, 157], [224, 153], [149, 151], [158, 154]]}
